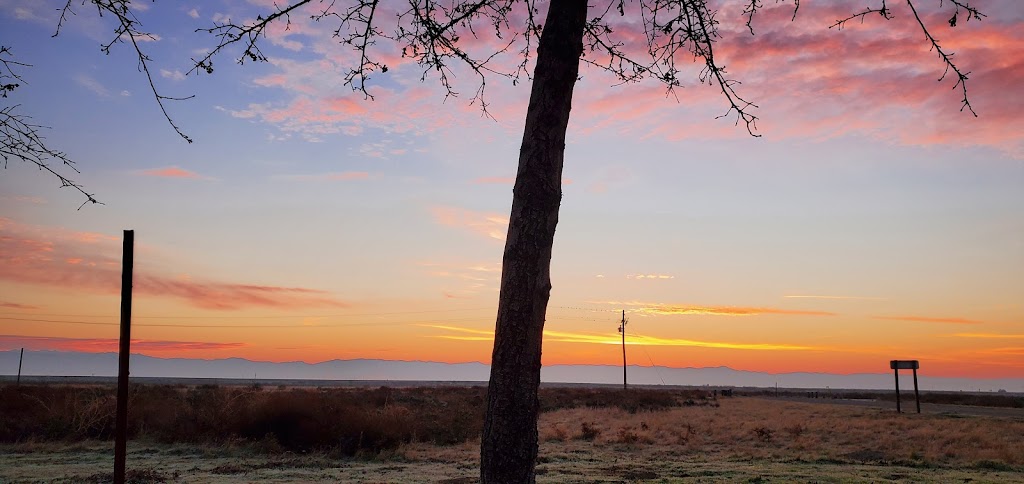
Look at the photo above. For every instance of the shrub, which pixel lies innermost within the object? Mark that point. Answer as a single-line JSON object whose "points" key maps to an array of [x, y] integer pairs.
{"points": [[589, 431]]}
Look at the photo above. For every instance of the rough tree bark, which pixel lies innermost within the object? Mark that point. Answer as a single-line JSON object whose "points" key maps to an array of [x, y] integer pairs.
{"points": [[509, 447]]}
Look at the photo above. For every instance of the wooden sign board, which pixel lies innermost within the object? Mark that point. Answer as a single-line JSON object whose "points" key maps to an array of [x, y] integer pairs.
{"points": [[904, 365]]}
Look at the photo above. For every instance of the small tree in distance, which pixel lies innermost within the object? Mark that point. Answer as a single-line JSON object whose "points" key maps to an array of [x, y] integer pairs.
{"points": [[434, 34]]}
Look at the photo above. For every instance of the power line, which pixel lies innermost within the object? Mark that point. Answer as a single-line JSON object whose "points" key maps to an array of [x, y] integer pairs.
{"points": [[343, 315], [644, 347], [240, 326]]}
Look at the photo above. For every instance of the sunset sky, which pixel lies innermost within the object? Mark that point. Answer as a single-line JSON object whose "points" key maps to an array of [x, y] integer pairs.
{"points": [[872, 220]]}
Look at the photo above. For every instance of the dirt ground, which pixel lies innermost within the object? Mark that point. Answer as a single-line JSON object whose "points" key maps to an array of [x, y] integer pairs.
{"points": [[744, 440]]}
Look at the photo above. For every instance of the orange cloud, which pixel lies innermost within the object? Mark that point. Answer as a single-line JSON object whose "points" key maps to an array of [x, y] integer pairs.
{"points": [[105, 345], [91, 262], [859, 298], [989, 335], [660, 309], [488, 224], [470, 334], [10, 305], [172, 172], [727, 311], [923, 319]]}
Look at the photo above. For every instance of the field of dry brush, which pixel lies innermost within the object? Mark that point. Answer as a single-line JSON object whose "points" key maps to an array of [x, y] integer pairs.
{"points": [[217, 434]]}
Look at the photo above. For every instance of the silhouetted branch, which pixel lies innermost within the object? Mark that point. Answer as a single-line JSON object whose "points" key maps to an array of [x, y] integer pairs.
{"points": [[229, 33], [673, 28], [19, 136], [883, 11], [128, 28], [947, 57], [752, 7]]}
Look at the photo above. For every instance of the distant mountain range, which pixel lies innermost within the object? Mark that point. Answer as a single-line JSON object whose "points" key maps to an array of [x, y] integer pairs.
{"points": [[60, 363]]}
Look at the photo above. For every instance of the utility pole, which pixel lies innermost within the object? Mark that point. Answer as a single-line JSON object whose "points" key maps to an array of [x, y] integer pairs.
{"points": [[622, 329], [124, 350]]}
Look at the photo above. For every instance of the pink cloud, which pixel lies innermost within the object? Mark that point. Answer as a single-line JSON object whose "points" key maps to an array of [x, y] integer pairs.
{"points": [[348, 175], [662, 309], [106, 345], [727, 311], [336, 176], [91, 263], [488, 224], [925, 319], [875, 79], [10, 305], [172, 172]]}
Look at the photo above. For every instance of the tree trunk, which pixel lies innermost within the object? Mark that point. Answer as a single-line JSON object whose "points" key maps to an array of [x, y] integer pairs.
{"points": [[508, 450]]}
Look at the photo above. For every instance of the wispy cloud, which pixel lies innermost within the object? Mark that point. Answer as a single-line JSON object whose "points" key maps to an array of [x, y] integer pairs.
{"points": [[84, 261], [650, 276], [471, 334], [852, 298], [465, 280], [10, 305], [333, 176], [174, 75], [503, 180], [727, 311], [23, 199], [660, 309], [989, 335], [92, 84], [104, 345], [925, 319], [488, 224], [172, 172], [1011, 351]]}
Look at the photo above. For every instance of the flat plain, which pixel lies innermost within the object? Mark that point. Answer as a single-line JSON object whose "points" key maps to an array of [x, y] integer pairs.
{"points": [[737, 439]]}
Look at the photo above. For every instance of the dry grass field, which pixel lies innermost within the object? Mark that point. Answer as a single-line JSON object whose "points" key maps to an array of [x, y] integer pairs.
{"points": [[586, 436]]}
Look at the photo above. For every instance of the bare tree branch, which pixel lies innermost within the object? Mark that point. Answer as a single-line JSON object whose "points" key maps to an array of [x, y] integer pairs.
{"points": [[674, 28], [960, 6], [128, 29], [20, 138], [947, 58]]}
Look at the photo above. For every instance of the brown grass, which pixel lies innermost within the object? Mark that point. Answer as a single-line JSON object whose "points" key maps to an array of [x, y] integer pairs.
{"points": [[741, 440], [411, 423], [745, 428], [347, 421]]}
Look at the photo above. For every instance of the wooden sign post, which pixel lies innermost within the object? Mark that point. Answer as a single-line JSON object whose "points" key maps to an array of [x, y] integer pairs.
{"points": [[896, 366]]}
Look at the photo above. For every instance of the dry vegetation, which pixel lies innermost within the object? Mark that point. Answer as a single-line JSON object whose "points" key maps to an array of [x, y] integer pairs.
{"points": [[247, 434]]}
